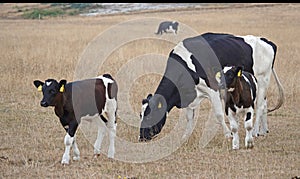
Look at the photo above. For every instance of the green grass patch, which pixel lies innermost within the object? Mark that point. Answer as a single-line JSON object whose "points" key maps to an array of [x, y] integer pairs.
{"points": [[40, 13]]}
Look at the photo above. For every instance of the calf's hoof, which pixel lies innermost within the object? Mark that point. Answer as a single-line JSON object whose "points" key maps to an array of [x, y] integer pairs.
{"points": [[76, 158]]}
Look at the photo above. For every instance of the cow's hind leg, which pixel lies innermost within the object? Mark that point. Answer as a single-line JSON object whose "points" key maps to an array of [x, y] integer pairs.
{"points": [[112, 127], [248, 124], [261, 110], [101, 132], [264, 123], [111, 111]]}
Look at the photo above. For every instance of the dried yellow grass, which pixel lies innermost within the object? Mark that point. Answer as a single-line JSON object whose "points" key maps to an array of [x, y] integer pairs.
{"points": [[31, 142]]}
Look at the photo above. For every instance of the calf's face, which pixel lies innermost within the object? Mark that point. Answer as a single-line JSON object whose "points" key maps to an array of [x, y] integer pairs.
{"points": [[50, 89], [228, 77], [231, 76]]}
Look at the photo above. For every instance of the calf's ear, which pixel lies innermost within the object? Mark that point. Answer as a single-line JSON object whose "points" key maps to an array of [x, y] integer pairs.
{"points": [[239, 70], [38, 84], [62, 84]]}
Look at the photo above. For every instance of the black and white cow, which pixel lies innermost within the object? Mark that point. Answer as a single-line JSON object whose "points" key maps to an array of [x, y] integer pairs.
{"points": [[167, 26], [189, 77], [91, 98], [240, 98]]}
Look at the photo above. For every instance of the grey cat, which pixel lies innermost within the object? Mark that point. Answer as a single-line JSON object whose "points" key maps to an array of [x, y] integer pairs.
{"points": [[167, 26]]}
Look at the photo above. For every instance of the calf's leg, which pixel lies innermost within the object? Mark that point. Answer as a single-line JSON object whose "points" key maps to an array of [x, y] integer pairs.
{"points": [[234, 126], [76, 151], [248, 124], [101, 132], [68, 141]]}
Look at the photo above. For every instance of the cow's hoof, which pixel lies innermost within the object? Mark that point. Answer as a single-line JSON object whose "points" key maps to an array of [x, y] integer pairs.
{"points": [[64, 162], [235, 147], [97, 155], [229, 136]]}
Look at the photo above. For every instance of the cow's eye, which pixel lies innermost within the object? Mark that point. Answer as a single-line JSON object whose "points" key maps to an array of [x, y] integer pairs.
{"points": [[52, 91]]}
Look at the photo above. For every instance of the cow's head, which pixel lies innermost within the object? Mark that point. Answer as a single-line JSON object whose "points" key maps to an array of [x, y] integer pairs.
{"points": [[50, 88], [153, 116]]}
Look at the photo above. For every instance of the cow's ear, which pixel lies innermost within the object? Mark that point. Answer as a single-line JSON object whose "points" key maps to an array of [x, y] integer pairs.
{"points": [[38, 84], [62, 84], [161, 103], [149, 97]]}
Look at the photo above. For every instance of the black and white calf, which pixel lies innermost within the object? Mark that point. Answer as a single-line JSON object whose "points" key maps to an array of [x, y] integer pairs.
{"points": [[189, 78], [94, 98], [240, 98], [167, 26]]}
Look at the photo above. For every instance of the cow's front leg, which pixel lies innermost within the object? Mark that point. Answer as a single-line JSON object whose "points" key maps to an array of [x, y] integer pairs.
{"points": [[68, 141], [219, 113], [234, 126], [190, 121]]}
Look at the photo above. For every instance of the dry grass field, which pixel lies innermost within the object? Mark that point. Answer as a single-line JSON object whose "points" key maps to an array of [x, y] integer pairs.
{"points": [[31, 137]]}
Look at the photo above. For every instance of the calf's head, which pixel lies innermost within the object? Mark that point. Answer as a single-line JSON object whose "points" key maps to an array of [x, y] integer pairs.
{"points": [[229, 77], [232, 76], [153, 116], [50, 88]]}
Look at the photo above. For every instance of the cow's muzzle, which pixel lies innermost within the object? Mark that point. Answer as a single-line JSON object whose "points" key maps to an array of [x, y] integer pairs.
{"points": [[44, 104]]}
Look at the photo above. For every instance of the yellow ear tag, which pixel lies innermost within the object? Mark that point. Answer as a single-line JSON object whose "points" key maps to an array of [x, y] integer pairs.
{"points": [[40, 88], [218, 75], [62, 88], [159, 105], [239, 73]]}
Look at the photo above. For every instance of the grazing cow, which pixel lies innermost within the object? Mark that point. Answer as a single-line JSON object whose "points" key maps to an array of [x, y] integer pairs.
{"points": [[167, 26], [96, 98], [189, 77], [241, 87]]}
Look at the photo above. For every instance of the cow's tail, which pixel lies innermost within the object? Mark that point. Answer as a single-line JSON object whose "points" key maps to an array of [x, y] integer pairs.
{"points": [[280, 91]]}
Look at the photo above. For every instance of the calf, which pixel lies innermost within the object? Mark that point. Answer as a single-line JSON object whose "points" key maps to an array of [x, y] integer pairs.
{"points": [[240, 97], [96, 97]]}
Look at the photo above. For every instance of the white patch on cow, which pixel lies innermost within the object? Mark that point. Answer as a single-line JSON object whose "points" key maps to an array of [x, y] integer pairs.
{"points": [[226, 68], [185, 55], [203, 91], [90, 118], [105, 81], [230, 90], [144, 106], [48, 83], [249, 83]]}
